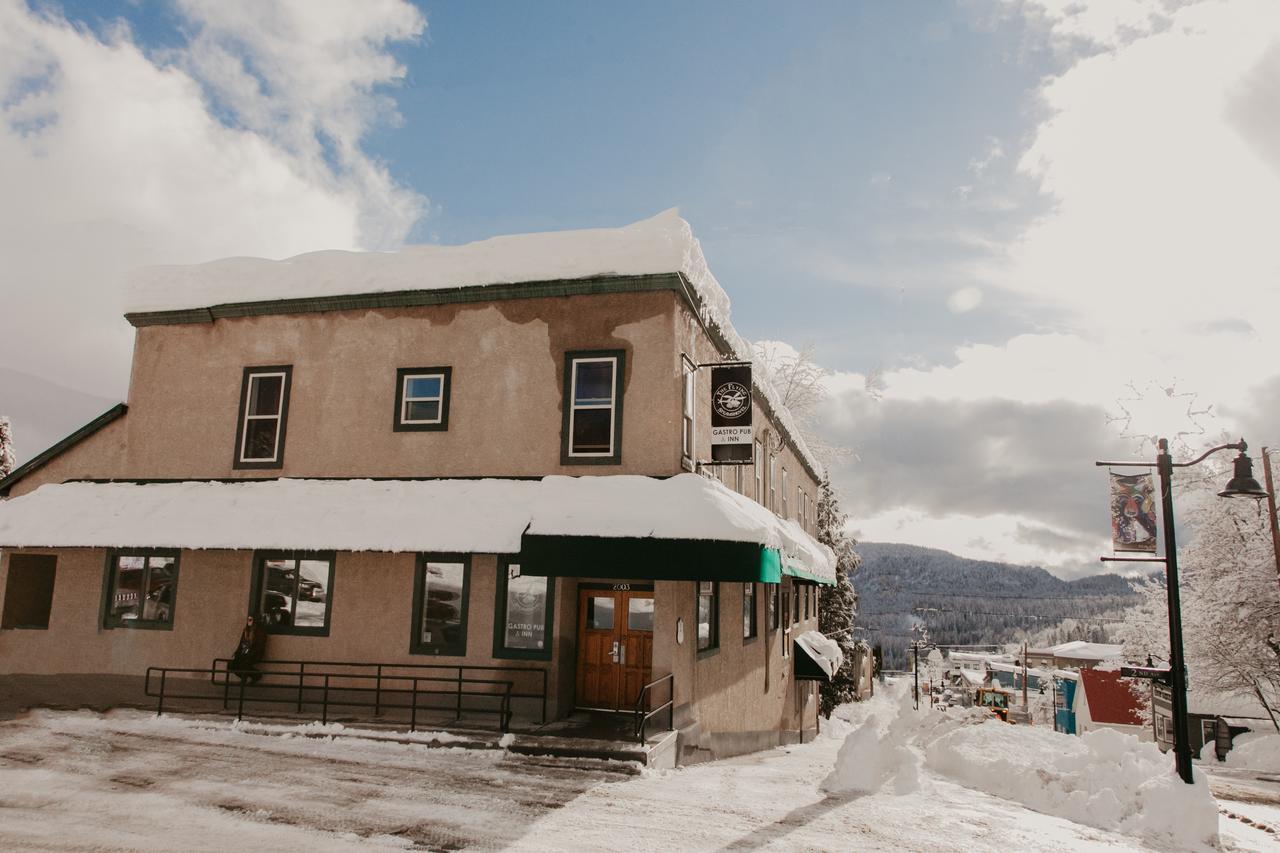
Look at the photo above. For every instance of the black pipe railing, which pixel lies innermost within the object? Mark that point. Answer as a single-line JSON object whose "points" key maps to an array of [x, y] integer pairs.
{"points": [[644, 714], [534, 677], [335, 689]]}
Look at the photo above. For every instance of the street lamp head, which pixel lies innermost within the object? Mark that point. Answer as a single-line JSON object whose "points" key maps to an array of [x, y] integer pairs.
{"points": [[1243, 485]]}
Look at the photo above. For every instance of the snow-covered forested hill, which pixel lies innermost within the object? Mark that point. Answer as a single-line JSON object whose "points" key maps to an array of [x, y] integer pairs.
{"points": [[962, 601]]}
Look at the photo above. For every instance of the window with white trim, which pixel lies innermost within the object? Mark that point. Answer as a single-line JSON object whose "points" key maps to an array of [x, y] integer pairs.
{"points": [[784, 493], [264, 412], [773, 461], [689, 396], [593, 407], [422, 399], [759, 472]]}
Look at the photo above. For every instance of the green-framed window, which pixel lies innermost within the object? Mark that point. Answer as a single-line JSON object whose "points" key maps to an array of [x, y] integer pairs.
{"points": [[749, 621], [592, 428], [140, 589], [264, 414], [523, 614], [292, 591], [422, 399], [441, 589]]}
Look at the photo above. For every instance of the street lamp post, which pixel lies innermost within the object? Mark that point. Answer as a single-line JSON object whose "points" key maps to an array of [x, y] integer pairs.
{"points": [[1241, 485]]}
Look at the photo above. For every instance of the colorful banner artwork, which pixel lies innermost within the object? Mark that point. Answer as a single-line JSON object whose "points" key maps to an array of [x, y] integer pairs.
{"points": [[1133, 512]]}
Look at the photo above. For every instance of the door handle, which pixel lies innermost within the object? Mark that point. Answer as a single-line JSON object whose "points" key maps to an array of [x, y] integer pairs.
{"points": [[614, 654]]}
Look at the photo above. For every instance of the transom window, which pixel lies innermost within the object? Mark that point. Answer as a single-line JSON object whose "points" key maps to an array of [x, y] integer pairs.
{"points": [[593, 407], [264, 411], [422, 399], [440, 605], [293, 591], [141, 589]]}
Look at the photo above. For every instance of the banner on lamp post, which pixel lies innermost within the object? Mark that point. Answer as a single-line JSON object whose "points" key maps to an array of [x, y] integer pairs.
{"points": [[1133, 512], [731, 433]]}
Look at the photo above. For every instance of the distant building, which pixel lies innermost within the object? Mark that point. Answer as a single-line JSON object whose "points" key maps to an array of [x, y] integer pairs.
{"points": [[1104, 700], [1212, 718]]}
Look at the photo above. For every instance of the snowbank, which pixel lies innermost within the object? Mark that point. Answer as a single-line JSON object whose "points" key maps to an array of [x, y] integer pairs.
{"points": [[473, 516], [1104, 779], [1255, 751]]}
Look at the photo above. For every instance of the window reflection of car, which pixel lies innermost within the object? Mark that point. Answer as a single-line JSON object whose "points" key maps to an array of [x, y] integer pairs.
{"points": [[442, 618], [309, 590], [280, 580], [275, 609]]}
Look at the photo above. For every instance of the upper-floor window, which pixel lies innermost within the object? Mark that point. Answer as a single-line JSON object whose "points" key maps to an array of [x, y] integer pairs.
{"points": [[687, 446], [592, 430], [264, 412], [784, 494], [773, 467], [759, 472], [422, 399]]}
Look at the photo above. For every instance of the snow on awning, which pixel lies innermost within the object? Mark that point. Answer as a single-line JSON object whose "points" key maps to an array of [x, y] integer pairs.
{"points": [[476, 516], [822, 651]]}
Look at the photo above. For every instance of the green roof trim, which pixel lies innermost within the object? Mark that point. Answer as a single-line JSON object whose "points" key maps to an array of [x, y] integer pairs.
{"points": [[42, 459], [636, 558], [799, 572]]}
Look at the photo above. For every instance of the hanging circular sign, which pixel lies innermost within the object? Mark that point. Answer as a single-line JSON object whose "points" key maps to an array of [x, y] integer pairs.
{"points": [[732, 400]]}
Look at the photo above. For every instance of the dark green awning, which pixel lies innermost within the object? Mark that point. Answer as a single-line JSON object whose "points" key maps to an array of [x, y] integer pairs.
{"points": [[656, 559]]}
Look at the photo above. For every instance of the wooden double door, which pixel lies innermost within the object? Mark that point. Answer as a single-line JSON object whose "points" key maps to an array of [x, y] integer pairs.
{"points": [[615, 646]]}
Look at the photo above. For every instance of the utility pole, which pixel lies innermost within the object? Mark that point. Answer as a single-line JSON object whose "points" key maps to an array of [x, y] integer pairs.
{"points": [[1025, 709], [915, 647]]}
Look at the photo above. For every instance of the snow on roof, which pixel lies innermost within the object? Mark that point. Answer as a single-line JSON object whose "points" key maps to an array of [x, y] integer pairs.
{"points": [[1110, 698], [660, 244], [824, 651], [1080, 650], [478, 516]]}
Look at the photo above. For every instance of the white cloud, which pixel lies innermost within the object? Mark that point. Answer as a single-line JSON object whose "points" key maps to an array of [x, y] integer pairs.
{"points": [[964, 300], [244, 141]]}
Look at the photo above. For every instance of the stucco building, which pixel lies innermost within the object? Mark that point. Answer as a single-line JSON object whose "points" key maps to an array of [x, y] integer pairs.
{"points": [[494, 455]]}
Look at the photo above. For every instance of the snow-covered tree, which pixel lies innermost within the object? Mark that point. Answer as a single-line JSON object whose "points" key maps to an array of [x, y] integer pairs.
{"points": [[839, 603], [7, 459], [802, 384]]}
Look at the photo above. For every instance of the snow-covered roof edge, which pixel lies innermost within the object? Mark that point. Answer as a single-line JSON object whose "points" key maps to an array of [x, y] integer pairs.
{"points": [[660, 244], [473, 516]]}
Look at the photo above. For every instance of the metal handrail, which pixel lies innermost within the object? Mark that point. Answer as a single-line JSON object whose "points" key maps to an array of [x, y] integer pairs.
{"points": [[643, 716], [379, 673], [348, 697]]}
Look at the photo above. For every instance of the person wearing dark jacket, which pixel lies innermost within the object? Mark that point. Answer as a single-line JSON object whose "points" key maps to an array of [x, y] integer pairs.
{"points": [[253, 644]]}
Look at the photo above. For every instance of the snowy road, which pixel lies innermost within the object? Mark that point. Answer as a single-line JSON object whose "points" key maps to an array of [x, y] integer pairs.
{"points": [[130, 781]]}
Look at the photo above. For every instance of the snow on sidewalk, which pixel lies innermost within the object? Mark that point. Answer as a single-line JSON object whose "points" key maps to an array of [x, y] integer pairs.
{"points": [[130, 781]]}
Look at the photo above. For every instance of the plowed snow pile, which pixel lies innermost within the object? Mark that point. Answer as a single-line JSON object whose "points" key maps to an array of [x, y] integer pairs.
{"points": [[1104, 779], [1255, 751]]}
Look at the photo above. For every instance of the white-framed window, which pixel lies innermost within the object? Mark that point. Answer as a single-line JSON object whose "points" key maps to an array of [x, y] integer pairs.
{"points": [[422, 399], [773, 470], [264, 412], [784, 493], [688, 398], [593, 407], [759, 472]]}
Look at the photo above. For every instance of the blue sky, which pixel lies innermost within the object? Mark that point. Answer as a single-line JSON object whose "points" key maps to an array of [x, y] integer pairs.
{"points": [[1001, 224]]}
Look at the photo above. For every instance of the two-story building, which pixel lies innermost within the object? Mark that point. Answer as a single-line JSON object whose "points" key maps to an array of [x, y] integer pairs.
{"points": [[493, 454]]}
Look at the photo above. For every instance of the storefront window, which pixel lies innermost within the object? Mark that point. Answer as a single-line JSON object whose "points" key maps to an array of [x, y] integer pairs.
{"points": [[141, 590], [708, 615], [440, 602], [748, 610], [525, 608], [293, 591]]}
